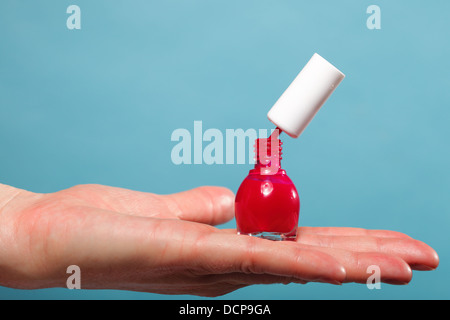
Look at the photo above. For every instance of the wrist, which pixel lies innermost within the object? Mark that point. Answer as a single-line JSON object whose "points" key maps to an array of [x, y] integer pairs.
{"points": [[16, 263], [7, 194]]}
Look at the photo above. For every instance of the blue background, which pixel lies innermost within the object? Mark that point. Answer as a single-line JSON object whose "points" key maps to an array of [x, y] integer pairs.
{"points": [[98, 105]]}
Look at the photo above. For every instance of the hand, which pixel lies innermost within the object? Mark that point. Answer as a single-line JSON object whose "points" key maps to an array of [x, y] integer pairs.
{"points": [[123, 239]]}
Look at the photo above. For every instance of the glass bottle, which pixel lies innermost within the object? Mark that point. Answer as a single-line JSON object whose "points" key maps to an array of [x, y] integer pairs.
{"points": [[267, 204]]}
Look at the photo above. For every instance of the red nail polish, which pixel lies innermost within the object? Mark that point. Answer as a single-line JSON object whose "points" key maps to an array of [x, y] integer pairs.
{"points": [[267, 202]]}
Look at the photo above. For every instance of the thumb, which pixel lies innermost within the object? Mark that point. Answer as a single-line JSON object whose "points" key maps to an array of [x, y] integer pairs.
{"points": [[210, 205]]}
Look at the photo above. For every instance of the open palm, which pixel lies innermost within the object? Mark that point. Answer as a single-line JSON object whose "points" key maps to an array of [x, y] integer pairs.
{"points": [[129, 240]]}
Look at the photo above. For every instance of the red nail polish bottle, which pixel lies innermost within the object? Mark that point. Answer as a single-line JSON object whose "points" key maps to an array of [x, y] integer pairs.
{"points": [[267, 203]]}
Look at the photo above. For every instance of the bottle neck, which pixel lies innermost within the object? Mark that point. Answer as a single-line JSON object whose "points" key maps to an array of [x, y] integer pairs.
{"points": [[268, 154]]}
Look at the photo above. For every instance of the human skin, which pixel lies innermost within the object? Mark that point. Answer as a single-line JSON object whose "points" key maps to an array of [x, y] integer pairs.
{"points": [[130, 240]]}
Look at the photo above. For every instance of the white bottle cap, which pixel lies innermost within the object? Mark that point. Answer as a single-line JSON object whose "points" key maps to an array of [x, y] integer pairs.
{"points": [[306, 94]]}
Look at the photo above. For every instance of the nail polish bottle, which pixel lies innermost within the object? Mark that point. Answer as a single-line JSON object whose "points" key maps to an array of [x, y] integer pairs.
{"points": [[267, 203]]}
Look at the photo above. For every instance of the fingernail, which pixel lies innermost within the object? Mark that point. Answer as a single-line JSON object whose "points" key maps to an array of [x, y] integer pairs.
{"points": [[330, 281], [421, 267], [395, 282]]}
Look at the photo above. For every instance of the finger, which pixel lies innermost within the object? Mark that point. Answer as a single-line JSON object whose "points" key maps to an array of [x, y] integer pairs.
{"points": [[212, 205], [416, 253], [359, 266], [346, 231], [119, 200], [216, 285], [394, 270], [226, 253], [209, 205], [243, 279]]}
